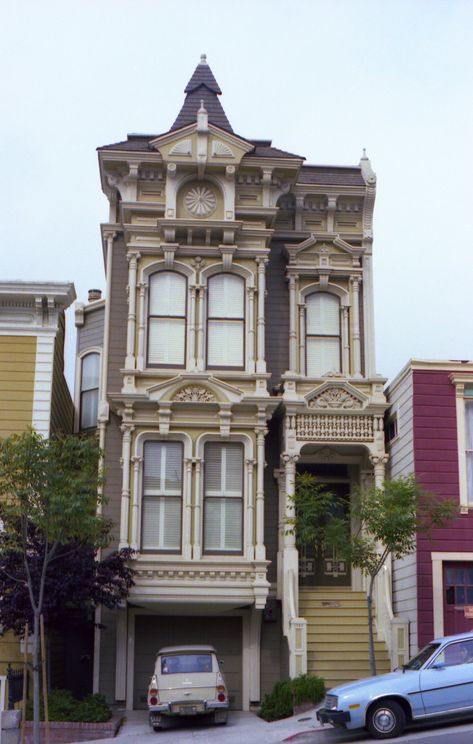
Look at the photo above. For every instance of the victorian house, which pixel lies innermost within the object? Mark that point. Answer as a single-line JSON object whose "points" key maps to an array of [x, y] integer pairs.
{"points": [[233, 349]]}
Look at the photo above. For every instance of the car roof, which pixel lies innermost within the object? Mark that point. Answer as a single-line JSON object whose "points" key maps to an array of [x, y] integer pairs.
{"points": [[186, 649], [457, 637]]}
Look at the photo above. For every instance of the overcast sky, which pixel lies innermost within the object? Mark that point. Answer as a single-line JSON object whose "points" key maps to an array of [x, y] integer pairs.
{"points": [[322, 78]]}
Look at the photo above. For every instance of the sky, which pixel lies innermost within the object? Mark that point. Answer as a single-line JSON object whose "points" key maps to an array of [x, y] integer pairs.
{"points": [[322, 78]]}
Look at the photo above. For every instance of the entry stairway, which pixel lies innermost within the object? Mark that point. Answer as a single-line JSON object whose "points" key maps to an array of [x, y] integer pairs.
{"points": [[337, 635]]}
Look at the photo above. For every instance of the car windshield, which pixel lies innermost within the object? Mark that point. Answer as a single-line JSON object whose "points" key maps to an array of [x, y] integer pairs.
{"points": [[418, 661], [186, 663]]}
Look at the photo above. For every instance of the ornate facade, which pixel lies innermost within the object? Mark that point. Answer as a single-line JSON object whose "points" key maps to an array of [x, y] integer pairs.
{"points": [[237, 349]]}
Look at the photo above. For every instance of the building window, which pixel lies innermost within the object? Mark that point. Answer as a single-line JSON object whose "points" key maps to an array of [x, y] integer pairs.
{"points": [[167, 319], [162, 497], [469, 447], [226, 321], [323, 345], [89, 390], [390, 432], [223, 498]]}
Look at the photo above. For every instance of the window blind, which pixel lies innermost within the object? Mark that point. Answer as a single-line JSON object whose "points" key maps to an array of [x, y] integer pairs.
{"points": [[225, 343], [323, 356], [162, 496], [90, 371], [223, 491], [167, 293], [323, 314], [226, 296], [166, 341]]}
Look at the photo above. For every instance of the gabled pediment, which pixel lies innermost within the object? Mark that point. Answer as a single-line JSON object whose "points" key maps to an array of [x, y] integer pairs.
{"points": [[322, 245], [186, 144], [194, 389], [336, 395]]}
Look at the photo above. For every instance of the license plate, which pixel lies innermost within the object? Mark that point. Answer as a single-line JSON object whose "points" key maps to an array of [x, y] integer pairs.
{"points": [[187, 710]]}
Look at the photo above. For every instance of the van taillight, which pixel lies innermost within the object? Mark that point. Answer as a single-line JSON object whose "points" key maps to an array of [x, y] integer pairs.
{"points": [[221, 693], [153, 698]]}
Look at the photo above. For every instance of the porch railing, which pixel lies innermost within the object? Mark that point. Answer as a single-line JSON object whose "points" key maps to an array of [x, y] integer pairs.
{"points": [[297, 631]]}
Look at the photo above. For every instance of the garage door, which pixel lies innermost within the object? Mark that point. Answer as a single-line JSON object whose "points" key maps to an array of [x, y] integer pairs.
{"points": [[154, 631]]}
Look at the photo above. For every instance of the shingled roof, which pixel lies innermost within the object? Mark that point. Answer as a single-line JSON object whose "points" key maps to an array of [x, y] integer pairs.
{"points": [[331, 175], [202, 87]]}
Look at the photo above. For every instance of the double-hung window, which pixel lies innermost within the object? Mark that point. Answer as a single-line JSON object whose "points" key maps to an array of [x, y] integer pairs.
{"points": [[223, 497], [226, 321], [89, 390], [167, 319], [323, 347], [162, 497]]}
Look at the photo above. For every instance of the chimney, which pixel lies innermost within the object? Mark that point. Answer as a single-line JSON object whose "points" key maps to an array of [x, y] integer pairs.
{"points": [[95, 294]]}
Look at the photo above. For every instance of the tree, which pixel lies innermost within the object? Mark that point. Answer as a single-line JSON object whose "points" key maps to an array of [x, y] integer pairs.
{"points": [[49, 496], [386, 520]]}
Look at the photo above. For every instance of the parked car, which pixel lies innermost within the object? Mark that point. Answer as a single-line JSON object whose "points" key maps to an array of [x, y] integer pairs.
{"points": [[187, 681], [437, 682]]}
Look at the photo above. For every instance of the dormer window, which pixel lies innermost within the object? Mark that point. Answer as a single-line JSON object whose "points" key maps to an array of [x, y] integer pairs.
{"points": [[167, 319], [323, 347]]}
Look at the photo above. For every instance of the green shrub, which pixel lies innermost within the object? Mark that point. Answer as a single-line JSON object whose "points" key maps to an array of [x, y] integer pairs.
{"points": [[290, 692], [63, 706]]}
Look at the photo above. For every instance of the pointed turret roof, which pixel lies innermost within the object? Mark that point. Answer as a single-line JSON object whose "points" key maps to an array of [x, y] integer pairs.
{"points": [[202, 87]]}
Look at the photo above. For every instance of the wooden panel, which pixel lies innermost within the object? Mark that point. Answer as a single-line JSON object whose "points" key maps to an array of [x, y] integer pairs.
{"points": [[17, 375]]}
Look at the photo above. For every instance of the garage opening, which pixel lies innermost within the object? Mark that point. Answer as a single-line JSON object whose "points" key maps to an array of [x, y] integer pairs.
{"points": [[154, 631]]}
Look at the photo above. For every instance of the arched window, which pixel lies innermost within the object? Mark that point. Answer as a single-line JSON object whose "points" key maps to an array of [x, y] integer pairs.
{"points": [[167, 319], [226, 321], [161, 513], [223, 497], [89, 390], [323, 347]]}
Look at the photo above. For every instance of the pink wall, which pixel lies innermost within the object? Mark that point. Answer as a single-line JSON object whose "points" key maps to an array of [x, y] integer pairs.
{"points": [[436, 466]]}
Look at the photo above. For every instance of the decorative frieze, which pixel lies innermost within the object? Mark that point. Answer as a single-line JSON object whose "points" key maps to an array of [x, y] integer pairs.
{"points": [[335, 397], [310, 427], [193, 575], [194, 394]]}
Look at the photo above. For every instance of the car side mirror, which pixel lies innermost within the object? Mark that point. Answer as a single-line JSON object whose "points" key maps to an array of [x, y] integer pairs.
{"points": [[440, 665]]}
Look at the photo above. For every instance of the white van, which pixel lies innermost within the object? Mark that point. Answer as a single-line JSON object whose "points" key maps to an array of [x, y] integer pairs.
{"points": [[187, 681]]}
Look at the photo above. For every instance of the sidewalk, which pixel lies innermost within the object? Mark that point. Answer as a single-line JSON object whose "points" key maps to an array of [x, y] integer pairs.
{"points": [[241, 727]]}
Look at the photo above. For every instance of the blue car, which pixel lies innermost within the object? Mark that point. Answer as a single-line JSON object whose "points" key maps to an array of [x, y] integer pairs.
{"points": [[437, 682]]}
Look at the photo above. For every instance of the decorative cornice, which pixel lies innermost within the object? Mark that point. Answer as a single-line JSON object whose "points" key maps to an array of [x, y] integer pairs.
{"points": [[194, 394], [335, 397]]}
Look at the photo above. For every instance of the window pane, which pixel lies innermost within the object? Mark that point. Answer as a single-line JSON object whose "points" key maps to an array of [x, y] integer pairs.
{"points": [[90, 371], [166, 341], [162, 470], [223, 469], [460, 595], [323, 356], [167, 294], [88, 409], [225, 343], [323, 314], [161, 523], [222, 524], [226, 296]]}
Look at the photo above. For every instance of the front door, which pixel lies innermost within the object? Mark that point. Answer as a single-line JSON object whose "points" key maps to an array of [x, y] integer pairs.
{"points": [[458, 597], [330, 569]]}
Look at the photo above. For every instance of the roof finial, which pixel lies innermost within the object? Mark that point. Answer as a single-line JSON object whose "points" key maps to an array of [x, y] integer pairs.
{"points": [[366, 170], [203, 59]]}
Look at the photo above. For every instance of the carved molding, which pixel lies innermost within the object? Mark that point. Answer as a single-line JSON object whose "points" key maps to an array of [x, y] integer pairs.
{"points": [[221, 150], [336, 428], [184, 147], [194, 394], [335, 397], [200, 201], [196, 575]]}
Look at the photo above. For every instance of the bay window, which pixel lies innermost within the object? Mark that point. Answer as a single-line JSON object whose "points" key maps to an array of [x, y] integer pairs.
{"points": [[223, 497], [226, 321], [89, 390], [167, 319], [323, 347], [162, 497]]}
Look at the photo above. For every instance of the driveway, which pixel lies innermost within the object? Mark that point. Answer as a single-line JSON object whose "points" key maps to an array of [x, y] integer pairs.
{"points": [[242, 728]]}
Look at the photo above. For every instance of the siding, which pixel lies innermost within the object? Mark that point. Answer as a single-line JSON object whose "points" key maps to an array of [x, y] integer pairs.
{"points": [[401, 463], [90, 335], [113, 477], [118, 316], [436, 458], [17, 377], [62, 408], [271, 498], [277, 315]]}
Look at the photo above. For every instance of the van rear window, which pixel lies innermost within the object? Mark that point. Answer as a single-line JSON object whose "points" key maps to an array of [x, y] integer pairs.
{"points": [[186, 663]]}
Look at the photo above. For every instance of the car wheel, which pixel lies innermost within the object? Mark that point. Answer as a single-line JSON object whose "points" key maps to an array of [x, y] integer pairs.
{"points": [[386, 719]]}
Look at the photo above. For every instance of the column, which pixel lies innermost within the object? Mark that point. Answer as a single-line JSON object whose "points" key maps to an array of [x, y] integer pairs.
{"points": [[260, 359], [355, 283], [200, 363], [251, 329], [290, 481], [379, 462], [187, 511], [192, 329], [132, 258], [302, 369], [345, 343], [250, 512], [126, 430], [260, 552], [292, 323], [197, 551], [140, 362], [135, 509]]}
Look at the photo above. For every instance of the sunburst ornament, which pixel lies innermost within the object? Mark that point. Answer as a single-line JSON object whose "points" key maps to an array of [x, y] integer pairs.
{"points": [[200, 201]]}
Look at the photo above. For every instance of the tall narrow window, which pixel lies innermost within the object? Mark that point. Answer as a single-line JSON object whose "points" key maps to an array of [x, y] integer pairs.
{"points": [[469, 448], [162, 497], [167, 319], [223, 498], [226, 321], [89, 390], [323, 334]]}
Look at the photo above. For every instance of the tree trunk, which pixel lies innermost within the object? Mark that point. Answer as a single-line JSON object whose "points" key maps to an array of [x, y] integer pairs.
{"points": [[36, 681], [369, 600]]}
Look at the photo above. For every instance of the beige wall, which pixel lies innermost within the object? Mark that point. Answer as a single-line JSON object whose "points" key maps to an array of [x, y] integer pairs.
{"points": [[17, 373]]}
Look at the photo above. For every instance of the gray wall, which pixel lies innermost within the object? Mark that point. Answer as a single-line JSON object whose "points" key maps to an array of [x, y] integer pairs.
{"points": [[277, 315]]}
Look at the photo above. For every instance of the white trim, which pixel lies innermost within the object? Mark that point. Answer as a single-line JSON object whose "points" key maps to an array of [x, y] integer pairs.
{"points": [[460, 401], [43, 384], [437, 584], [330, 289]]}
